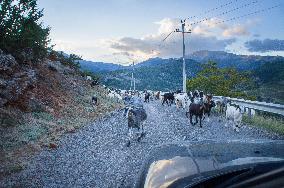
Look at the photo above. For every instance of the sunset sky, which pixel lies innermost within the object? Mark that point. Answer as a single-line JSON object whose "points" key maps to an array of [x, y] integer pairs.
{"points": [[120, 31]]}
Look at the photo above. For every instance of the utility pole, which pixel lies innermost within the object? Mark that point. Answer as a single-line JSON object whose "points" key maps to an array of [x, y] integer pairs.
{"points": [[183, 54], [134, 86]]}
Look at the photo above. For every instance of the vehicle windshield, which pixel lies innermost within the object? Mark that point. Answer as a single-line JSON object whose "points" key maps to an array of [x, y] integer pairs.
{"points": [[139, 93]]}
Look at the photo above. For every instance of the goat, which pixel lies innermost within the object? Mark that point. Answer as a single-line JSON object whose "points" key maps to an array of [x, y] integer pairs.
{"points": [[89, 78], [147, 97], [114, 95], [181, 100], [209, 104], [221, 105], [157, 95], [168, 98], [136, 117], [233, 113], [94, 100], [197, 110]]}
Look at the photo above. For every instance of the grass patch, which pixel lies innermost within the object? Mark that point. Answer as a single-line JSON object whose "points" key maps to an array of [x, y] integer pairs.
{"points": [[269, 123], [43, 115]]}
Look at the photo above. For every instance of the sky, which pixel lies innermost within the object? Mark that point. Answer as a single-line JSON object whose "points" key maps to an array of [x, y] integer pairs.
{"points": [[122, 31]]}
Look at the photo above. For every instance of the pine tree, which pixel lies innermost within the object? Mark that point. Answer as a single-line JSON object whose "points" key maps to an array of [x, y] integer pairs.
{"points": [[21, 32]]}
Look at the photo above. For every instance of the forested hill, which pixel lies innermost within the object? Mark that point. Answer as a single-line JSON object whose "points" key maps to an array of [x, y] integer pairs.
{"points": [[225, 59], [166, 75]]}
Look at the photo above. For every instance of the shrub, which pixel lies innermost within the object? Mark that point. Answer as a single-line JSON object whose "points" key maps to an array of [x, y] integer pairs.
{"points": [[21, 33], [71, 60]]}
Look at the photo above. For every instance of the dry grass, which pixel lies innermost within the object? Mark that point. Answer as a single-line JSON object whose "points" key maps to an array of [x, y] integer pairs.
{"points": [[267, 122]]}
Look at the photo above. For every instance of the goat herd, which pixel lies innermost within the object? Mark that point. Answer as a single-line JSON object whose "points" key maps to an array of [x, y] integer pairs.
{"points": [[196, 104]]}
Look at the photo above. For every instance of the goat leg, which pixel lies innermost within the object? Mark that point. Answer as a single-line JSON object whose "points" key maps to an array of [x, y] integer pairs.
{"points": [[190, 117], [200, 117], [129, 136], [196, 120]]}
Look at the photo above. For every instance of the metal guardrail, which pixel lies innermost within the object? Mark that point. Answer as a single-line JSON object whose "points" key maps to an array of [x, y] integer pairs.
{"points": [[261, 106]]}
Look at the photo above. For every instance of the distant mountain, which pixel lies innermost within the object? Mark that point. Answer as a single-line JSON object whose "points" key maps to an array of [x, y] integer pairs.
{"points": [[241, 62], [152, 62], [99, 66], [107, 67], [166, 74]]}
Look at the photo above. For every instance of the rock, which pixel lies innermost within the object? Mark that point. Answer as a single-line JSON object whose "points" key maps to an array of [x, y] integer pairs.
{"points": [[14, 80], [7, 63], [53, 65], [71, 130], [34, 105], [49, 109], [7, 121], [3, 83]]}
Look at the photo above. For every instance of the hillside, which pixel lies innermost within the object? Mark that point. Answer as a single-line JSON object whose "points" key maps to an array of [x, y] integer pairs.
{"points": [[225, 59], [270, 82], [99, 66], [39, 102], [166, 75]]}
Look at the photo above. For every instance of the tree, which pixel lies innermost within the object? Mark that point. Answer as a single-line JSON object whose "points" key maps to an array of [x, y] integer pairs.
{"points": [[221, 81], [21, 30], [71, 60]]}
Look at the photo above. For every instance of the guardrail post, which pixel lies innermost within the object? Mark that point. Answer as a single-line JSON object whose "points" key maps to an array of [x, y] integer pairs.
{"points": [[249, 113]]}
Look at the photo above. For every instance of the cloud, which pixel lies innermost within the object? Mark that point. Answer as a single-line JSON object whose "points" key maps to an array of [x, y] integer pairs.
{"points": [[149, 46], [256, 35], [208, 35], [265, 45], [238, 30]]}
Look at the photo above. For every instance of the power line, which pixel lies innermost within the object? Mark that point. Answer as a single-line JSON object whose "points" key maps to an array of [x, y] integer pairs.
{"points": [[167, 36], [213, 9], [249, 14], [230, 19], [223, 13]]}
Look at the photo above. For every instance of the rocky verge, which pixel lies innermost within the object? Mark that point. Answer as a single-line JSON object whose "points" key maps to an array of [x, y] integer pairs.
{"points": [[39, 103]]}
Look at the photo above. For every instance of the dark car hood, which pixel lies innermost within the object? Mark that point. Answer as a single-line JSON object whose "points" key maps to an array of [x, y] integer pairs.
{"points": [[171, 162]]}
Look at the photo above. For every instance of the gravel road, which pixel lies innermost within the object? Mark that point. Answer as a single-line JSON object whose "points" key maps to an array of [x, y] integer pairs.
{"points": [[96, 155]]}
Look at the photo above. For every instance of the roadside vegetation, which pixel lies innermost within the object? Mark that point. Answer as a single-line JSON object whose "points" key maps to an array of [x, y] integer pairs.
{"points": [[232, 83], [268, 122], [221, 81]]}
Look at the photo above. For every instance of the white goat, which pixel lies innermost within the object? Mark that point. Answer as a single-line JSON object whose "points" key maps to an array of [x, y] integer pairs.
{"points": [[182, 100], [89, 78], [234, 114]]}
